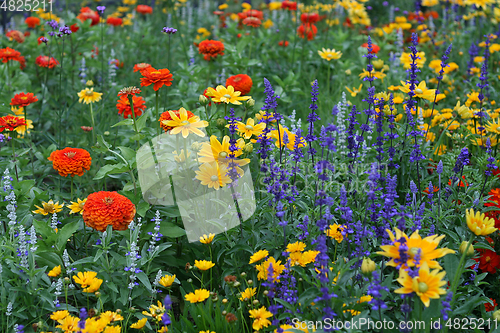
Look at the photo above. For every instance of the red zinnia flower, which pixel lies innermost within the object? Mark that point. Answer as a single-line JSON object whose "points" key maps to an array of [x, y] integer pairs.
{"points": [[10, 123], [108, 208], [251, 13], [141, 66], [309, 18], [281, 43], [23, 100], [489, 261], [70, 161], [16, 35], [124, 108], [74, 27], [252, 22], [9, 54], [45, 61], [158, 77], [488, 307], [240, 82], [32, 21], [144, 9], [88, 14], [375, 47], [114, 21], [461, 182], [166, 116], [211, 49], [307, 30], [290, 5]]}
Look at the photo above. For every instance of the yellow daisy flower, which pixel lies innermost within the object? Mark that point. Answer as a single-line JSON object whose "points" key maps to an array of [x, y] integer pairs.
{"points": [[89, 96], [203, 265], [48, 208], [329, 54], [479, 224], [77, 207], [258, 256], [199, 295], [227, 95]]}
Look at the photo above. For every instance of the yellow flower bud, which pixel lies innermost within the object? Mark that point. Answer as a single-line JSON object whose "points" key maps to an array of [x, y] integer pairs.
{"points": [[496, 315], [248, 148], [251, 102], [463, 246], [368, 266], [348, 72], [203, 100]]}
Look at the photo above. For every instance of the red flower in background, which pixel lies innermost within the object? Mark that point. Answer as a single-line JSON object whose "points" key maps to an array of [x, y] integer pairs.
{"points": [[307, 30], [251, 13], [45, 61], [114, 21], [240, 82], [489, 261], [495, 198], [461, 184], [15, 35], [281, 43], [488, 307], [74, 27], [144, 9], [309, 18], [22, 100], [375, 47], [141, 66], [32, 21], [88, 14], [252, 22], [290, 5], [211, 49]]}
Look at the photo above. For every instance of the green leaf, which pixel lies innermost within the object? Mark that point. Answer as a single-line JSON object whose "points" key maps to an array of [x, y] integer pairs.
{"points": [[451, 265], [171, 230], [142, 208], [141, 123], [125, 122], [144, 279], [65, 233], [137, 137], [127, 153], [110, 169]]}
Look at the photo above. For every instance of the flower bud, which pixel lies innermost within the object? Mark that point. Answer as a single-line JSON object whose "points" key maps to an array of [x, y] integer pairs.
{"points": [[224, 301], [243, 274], [132, 309], [251, 102], [89, 83], [255, 302], [236, 284], [221, 122], [463, 246], [118, 311], [106, 133], [97, 294], [368, 266], [250, 282], [248, 148], [348, 72], [496, 315], [266, 292], [224, 312], [196, 146], [190, 280], [203, 100], [67, 280], [378, 64]]}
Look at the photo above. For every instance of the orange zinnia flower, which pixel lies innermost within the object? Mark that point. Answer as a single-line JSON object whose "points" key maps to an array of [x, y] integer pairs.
{"points": [[251, 13], [88, 14], [16, 35], [45, 61], [211, 49], [10, 123], [166, 116], [141, 66], [240, 82], [70, 161], [22, 100], [283, 42], [124, 108], [9, 54], [114, 21], [252, 22], [32, 21], [108, 208], [158, 77], [290, 5], [144, 9], [309, 18], [307, 30]]}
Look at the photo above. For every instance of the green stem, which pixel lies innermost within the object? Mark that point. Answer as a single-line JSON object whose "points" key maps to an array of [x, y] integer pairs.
{"points": [[157, 113], [460, 269], [93, 123], [72, 187]]}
